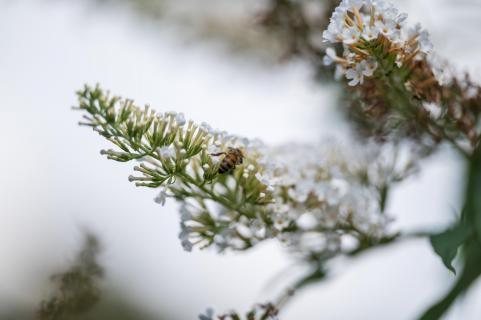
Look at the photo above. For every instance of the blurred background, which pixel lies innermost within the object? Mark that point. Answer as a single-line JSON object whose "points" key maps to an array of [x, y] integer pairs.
{"points": [[210, 60]]}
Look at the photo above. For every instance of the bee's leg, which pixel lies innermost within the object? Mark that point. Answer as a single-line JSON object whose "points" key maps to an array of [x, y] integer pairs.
{"points": [[226, 170], [217, 154]]}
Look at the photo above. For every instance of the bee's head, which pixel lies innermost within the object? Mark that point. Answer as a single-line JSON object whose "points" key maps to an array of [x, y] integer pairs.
{"points": [[238, 154], [236, 151]]}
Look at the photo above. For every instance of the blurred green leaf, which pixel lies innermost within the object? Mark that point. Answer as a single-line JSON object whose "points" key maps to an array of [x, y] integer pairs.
{"points": [[470, 273], [446, 243], [468, 234]]}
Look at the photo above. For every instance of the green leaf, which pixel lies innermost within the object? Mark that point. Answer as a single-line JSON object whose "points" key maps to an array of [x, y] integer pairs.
{"points": [[469, 275], [446, 243]]}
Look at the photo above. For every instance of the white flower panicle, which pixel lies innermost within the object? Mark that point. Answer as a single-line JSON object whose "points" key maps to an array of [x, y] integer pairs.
{"points": [[167, 146], [322, 200], [373, 33], [402, 87], [309, 197], [176, 155]]}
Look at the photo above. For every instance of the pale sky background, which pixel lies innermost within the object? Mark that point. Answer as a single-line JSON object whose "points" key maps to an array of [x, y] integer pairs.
{"points": [[54, 181]]}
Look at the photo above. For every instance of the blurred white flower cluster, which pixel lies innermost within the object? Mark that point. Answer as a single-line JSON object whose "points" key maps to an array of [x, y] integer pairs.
{"points": [[369, 30], [326, 199], [335, 195], [448, 75]]}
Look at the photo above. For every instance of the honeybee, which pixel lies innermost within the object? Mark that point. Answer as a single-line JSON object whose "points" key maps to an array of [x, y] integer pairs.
{"points": [[232, 158]]}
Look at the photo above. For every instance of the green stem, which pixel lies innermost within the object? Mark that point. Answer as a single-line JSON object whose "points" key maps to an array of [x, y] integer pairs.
{"points": [[384, 193], [219, 199]]}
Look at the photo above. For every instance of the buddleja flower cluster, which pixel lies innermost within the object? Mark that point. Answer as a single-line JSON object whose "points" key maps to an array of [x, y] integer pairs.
{"points": [[313, 198], [400, 85], [325, 202], [367, 29]]}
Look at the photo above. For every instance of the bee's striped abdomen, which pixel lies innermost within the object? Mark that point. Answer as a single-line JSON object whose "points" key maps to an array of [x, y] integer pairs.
{"points": [[227, 165]]}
